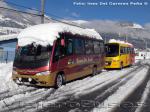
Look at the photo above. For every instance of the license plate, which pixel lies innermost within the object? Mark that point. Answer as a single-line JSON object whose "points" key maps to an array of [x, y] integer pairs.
{"points": [[26, 83]]}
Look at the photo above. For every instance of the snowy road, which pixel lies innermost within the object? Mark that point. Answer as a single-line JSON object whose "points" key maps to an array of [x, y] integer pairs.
{"points": [[124, 90]]}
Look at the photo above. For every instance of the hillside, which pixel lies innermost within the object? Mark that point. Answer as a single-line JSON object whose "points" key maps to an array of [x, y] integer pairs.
{"points": [[12, 22], [135, 33]]}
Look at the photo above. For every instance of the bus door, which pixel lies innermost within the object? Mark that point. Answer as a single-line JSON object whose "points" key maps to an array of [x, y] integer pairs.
{"points": [[132, 54], [126, 56], [70, 60], [63, 59], [102, 54], [80, 58], [122, 56], [129, 56]]}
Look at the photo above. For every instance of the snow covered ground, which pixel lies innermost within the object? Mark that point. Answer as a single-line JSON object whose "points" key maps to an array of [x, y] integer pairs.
{"points": [[123, 91], [109, 88], [5, 76]]}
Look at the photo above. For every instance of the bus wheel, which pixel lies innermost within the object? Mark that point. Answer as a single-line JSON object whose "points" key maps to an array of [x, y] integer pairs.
{"points": [[121, 65], [59, 81], [94, 71]]}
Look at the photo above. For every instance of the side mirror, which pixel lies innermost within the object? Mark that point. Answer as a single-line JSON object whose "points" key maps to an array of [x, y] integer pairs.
{"points": [[62, 42]]}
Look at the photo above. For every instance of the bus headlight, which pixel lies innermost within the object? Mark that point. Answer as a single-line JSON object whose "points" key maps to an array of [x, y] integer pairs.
{"points": [[14, 72], [43, 73]]}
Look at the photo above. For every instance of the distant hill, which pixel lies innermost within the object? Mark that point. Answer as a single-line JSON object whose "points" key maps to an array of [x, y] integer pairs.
{"points": [[12, 22], [136, 33]]}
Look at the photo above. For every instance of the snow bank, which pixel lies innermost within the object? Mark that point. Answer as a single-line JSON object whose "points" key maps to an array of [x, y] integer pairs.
{"points": [[46, 33], [5, 76], [8, 37], [119, 41]]}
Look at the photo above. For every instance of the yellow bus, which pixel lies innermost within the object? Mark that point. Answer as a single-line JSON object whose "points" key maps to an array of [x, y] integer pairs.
{"points": [[119, 54]]}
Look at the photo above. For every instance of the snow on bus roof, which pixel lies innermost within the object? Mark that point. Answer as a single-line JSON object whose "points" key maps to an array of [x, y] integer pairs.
{"points": [[45, 34], [119, 41]]}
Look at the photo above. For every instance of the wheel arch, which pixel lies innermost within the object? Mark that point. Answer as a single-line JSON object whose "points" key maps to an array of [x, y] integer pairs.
{"points": [[95, 65], [62, 73]]}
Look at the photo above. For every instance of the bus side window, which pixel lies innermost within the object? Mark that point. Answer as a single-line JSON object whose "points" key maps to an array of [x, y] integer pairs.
{"points": [[133, 52], [96, 47], [125, 49], [87, 51], [39, 50], [79, 46], [121, 50], [102, 48], [59, 51], [128, 50], [69, 48], [89, 47]]}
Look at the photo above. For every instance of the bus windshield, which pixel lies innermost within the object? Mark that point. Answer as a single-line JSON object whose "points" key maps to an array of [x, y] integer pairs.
{"points": [[32, 56], [112, 50]]}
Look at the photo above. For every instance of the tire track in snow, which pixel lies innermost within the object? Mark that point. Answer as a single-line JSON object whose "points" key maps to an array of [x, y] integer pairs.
{"points": [[4, 92], [123, 92], [145, 100], [32, 103], [92, 95], [16, 91], [24, 100], [100, 95], [145, 107], [85, 81], [132, 102]]}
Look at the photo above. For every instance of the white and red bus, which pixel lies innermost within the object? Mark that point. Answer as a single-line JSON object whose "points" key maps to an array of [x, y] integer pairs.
{"points": [[52, 54]]}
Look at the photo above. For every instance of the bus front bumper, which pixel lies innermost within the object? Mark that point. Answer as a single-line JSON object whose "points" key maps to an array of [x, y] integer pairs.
{"points": [[112, 64], [41, 80]]}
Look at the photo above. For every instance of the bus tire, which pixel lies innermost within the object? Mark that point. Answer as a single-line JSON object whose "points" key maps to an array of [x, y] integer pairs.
{"points": [[121, 65], [94, 71], [59, 81]]}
